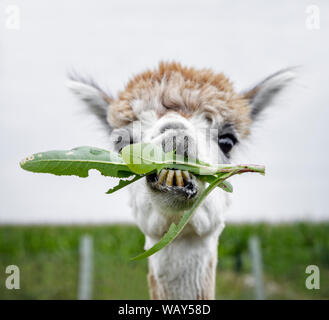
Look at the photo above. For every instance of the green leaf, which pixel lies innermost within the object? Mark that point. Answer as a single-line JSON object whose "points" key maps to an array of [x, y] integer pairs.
{"points": [[123, 183], [225, 185], [143, 158], [77, 162], [137, 160]]}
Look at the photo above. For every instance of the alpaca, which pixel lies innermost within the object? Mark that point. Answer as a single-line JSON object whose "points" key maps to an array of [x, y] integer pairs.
{"points": [[199, 114]]}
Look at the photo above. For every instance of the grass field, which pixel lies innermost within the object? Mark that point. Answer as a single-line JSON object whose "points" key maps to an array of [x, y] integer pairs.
{"points": [[48, 258]]}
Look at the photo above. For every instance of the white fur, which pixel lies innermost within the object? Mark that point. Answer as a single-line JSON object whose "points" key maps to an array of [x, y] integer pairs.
{"points": [[183, 266]]}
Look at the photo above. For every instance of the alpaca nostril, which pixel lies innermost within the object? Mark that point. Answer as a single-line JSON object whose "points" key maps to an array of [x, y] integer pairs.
{"points": [[172, 125], [187, 141], [181, 143], [169, 145]]}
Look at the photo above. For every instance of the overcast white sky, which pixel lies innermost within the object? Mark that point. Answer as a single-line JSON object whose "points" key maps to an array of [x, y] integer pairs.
{"points": [[112, 40]]}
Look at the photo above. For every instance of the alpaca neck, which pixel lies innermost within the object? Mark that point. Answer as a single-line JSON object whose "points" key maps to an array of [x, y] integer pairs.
{"points": [[185, 269]]}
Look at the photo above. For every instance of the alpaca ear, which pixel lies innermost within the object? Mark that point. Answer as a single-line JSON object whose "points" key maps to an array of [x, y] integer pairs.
{"points": [[87, 90], [263, 94]]}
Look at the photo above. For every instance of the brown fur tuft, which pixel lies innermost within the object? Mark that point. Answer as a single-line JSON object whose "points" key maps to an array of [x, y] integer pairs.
{"points": [[188, 91]]}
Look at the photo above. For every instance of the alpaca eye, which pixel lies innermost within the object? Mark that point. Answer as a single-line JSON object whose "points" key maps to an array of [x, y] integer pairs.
{"points": [[226, 142]]}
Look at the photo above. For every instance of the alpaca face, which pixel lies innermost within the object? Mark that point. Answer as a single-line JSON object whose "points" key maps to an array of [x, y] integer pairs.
{"points": [[195, 137], [195, 112]]}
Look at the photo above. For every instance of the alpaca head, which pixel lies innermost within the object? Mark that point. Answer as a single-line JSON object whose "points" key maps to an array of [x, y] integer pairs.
{"points": [[195, 112], [198, 114]]}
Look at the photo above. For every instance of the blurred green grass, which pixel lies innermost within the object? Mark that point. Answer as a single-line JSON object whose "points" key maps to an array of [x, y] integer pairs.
{"points": [[48, 258]]}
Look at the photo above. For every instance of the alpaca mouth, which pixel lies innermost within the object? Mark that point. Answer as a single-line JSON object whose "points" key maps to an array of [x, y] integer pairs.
{"points": [[175, 181]]}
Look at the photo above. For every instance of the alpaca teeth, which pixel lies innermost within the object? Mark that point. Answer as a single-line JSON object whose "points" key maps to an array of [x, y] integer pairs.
{"points": [[179, 178], [162, 176], [186, 175], [170, 178]]}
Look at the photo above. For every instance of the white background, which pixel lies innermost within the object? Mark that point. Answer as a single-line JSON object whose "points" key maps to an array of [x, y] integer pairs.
{"points": [[112, 40]]}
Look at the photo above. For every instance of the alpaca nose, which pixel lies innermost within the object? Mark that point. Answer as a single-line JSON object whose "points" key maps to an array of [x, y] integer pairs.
{"points": [[179, 140]]}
